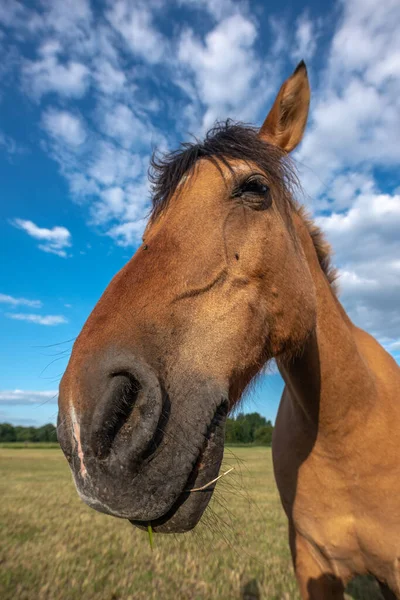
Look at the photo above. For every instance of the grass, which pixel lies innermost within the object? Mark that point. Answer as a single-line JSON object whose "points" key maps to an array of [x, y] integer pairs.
{"points": [[30, 445], [53, 547]]}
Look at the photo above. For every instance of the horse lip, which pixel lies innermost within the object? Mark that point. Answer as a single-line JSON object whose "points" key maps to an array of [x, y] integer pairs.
{"points": [[161, 523]]}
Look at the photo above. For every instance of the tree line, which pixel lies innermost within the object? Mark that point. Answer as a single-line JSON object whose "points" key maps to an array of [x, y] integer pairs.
{"points": [[242, 429], [249, 429], [18, 433]]}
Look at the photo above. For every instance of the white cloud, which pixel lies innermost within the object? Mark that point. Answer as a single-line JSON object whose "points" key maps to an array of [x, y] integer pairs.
{"points": [[219, 10], [112, 166], [50, 74], [305, 39], [130, 206], [54, 240], [64, 125], [367, 243], [123, 125], [68, 18], [279, 39], [9, 144], [134, 22], [13, 14], [12, 301], [106, 157], [215, 64], [225, 70], [129, 233], [38, 319], [109, 174], [106, 166], [354, 120], [354, 130], [26, 397], [110, 79]]}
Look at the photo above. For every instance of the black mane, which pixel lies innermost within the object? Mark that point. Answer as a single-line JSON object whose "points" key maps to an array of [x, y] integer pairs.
{"points": [[226, 140]]}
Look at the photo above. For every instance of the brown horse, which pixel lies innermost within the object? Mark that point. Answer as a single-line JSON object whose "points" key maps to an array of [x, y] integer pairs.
{"points": [[232, 273]]}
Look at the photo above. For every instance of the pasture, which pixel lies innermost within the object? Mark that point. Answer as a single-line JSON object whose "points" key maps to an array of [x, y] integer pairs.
{"points": [[54, 547]]}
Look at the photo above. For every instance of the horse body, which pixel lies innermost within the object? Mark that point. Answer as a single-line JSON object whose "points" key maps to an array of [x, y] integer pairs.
{"points": [[232, 274], [337, 455]]}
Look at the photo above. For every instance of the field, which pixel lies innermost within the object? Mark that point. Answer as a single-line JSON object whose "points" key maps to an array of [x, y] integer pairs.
{"points": [[53, 547]]}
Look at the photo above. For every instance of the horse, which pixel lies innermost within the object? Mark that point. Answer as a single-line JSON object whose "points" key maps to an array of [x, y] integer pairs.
{"points": [[232, 273]]}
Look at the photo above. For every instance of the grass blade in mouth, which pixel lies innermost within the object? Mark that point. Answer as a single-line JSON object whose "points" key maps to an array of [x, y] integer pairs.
{"points": [[150, 532], [203, 487]]}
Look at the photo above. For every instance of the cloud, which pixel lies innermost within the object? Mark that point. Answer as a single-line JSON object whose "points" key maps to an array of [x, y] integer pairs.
{"points": [[305, 39], [131, 131], [219, 10], [134, 22], [352, 136], [109, 172], [65, 126], [112, 166], [26, 397], [50, 74], [13, 15], [38, 319], [71, 19], [10, 145], [105, 158], [128, 233], [354, 120], [11, 300], [53, 240], [367, 245], [224, 70], [110, 79]]}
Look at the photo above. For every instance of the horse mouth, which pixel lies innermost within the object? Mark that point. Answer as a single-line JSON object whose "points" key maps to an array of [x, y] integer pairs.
{"points": [[190, 505]]}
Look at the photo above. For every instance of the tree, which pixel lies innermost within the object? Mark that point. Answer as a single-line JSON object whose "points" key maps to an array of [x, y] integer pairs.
{"points": [[47, 433], [248, 429], [7, 433], [263, 435]]}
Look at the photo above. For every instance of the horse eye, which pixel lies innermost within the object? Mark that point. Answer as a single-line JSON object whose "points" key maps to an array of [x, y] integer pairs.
{"points": [[253, 186], [256, 193]]}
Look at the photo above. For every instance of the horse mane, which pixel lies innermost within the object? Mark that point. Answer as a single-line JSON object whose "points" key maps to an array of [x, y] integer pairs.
{"points": [[232, 140], [322, 248]]}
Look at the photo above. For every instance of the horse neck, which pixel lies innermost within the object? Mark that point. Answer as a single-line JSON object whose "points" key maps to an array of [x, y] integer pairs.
{"points": [[329, 380]]}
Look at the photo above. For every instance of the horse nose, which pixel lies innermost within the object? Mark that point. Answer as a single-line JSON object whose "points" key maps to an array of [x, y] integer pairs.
{"points": [[125, 419], [119, 410]]}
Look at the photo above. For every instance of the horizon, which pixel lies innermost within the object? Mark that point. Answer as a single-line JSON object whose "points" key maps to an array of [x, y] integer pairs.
{"points": [[89, 89]]}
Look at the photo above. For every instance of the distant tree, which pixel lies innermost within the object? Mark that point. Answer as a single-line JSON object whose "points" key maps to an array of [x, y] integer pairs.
{"points": [[248, 429], [237, 431], [26, 434], [263, 435], [254, 420], [47, 433], [7, 433]]}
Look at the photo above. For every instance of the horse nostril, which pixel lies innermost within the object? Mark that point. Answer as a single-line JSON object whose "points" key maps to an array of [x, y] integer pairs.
{"points": [[114, 414]]}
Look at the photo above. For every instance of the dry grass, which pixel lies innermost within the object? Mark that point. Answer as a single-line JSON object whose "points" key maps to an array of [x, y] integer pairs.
{"points": [[54, 547]]}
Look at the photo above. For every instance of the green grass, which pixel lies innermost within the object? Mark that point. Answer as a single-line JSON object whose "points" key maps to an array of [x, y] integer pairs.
{"points": [[30, 445], [53, 547]]}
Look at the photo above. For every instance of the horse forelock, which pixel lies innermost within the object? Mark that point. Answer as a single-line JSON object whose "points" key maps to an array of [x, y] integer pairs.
{"points": [[229, 140]]}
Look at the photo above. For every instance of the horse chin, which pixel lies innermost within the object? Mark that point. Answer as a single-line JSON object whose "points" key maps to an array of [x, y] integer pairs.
{"points": [[194, 498]]}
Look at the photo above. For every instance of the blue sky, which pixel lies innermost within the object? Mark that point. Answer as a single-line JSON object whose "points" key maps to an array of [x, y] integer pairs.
{"points": [[88, 90]]}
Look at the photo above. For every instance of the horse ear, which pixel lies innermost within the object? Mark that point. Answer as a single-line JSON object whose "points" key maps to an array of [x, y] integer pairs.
{"points": [[286, 121]]}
